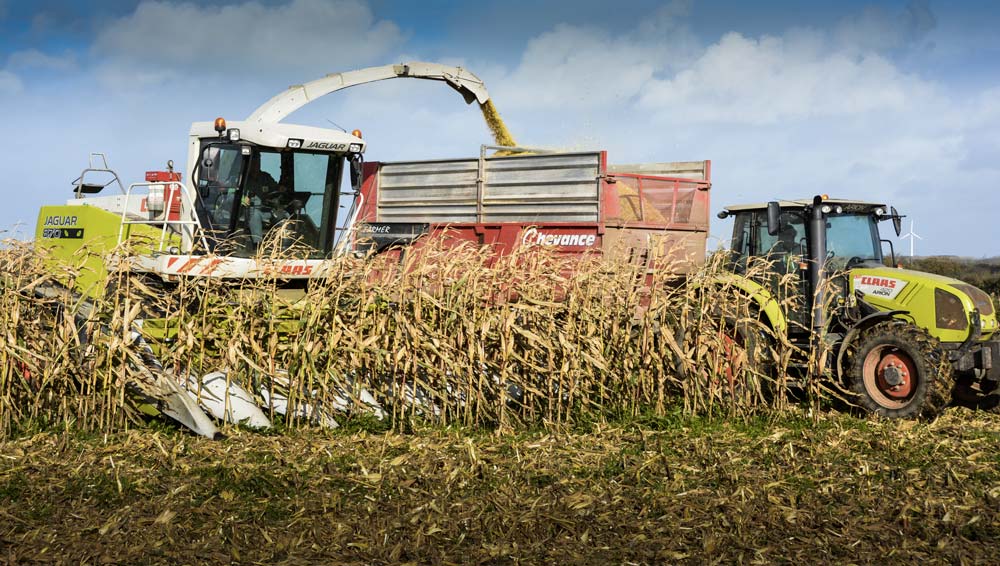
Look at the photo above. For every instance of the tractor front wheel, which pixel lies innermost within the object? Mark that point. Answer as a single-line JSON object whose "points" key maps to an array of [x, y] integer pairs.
{"points": [[897, 372]]}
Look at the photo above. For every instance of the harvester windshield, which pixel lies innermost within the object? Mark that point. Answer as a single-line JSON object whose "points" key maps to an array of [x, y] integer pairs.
{"points": [[249, 195]]}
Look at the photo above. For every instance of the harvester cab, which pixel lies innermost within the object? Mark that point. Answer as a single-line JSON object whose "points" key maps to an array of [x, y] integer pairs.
{"points": [[251, 182], [816, 270]]}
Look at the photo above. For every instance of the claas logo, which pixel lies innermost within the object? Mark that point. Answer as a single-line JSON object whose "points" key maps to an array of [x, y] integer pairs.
{"points": [[867, 280], [296, 269]]}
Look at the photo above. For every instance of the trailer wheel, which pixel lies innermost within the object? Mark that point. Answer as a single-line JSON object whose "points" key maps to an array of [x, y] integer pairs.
{"points": [[900, 371]]}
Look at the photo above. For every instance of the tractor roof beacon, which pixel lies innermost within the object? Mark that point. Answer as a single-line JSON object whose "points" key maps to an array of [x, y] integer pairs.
{"points": [[898, 336]]}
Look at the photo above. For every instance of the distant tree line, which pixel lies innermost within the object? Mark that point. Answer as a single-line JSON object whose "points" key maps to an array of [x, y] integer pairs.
{"points": [[983, 273]]}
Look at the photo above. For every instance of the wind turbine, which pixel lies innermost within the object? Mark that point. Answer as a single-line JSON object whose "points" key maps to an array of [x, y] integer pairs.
{"points": [[912, 236]]}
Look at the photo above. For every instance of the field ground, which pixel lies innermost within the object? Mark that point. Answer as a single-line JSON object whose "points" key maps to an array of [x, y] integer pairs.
{"points": [[646, 491]]}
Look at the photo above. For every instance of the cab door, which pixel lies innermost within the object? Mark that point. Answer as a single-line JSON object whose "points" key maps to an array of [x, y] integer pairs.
{"points": [[775, 262]]}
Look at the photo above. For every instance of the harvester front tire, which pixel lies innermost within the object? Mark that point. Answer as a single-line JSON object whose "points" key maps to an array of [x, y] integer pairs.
{"points": [[900, 371]]}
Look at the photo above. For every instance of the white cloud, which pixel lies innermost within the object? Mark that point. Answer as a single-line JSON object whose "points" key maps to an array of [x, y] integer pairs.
{"points": [[248, 37], [755, 80], [579, 67], [35, 59], [10, 83], [764, 80], [574, 67]]}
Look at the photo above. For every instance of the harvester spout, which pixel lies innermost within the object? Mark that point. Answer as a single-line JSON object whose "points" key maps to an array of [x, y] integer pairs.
{"points": [[467, 84]]}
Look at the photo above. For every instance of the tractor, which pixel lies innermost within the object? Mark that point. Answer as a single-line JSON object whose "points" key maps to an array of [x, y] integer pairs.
{"points": [[903, 342]]}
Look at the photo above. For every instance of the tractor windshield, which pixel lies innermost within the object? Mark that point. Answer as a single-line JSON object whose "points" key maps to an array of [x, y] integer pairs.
{"points": [[850, 236]]}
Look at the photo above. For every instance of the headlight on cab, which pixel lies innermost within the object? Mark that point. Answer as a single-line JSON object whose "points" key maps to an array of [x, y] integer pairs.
{"points": [[979, 298]]}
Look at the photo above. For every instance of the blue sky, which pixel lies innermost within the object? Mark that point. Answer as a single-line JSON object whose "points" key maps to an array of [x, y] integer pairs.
{"points": [[895, 101]]}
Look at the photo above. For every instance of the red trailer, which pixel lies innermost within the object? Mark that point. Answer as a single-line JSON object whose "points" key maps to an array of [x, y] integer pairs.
{"points": [[573, 203]]}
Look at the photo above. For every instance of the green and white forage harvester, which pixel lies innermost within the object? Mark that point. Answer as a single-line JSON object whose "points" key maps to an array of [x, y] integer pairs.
{"points": [[904, 342], [258, 185], [243, 180]]}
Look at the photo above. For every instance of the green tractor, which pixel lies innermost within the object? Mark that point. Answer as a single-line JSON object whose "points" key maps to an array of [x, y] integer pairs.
{"points": [[904, 342]]}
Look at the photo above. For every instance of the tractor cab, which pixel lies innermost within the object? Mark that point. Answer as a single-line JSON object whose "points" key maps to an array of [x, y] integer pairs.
{"points": [[784, 239], [279, 183]]}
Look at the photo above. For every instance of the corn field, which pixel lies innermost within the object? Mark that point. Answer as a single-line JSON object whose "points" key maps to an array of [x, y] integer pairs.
{"points": [[581, 405], [445, 336]]}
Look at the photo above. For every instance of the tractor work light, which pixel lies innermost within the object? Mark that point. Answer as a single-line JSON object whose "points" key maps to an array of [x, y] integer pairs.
{"points": [[234, 134], [294, 143], [879, 212], [354, 148]]}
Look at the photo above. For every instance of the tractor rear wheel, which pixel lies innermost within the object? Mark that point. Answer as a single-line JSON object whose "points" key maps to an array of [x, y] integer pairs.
{"points": [[898, 371]]}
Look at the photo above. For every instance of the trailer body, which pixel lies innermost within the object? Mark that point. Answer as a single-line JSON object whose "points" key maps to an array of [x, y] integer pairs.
{"points": [[572, 203]]}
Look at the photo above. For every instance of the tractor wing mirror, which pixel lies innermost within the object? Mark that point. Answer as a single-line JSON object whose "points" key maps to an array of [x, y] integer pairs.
{"points": [[897, 220], [773, 218]]}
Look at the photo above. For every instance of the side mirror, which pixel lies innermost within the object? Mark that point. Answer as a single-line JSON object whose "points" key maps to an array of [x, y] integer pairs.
{"points": [[209, 166], [773, 218], [897, 220], [356, 166]]}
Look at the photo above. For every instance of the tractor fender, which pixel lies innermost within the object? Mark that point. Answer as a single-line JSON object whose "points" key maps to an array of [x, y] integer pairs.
{"points": [[768, 305], [864, 324]]}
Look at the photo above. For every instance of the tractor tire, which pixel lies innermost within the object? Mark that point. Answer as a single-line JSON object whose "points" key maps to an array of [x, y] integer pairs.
{"points": [[900, 371]]}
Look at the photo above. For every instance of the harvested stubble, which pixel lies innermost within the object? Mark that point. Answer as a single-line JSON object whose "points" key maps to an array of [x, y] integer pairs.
{"points": [[675, 490], [579, 343]]}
